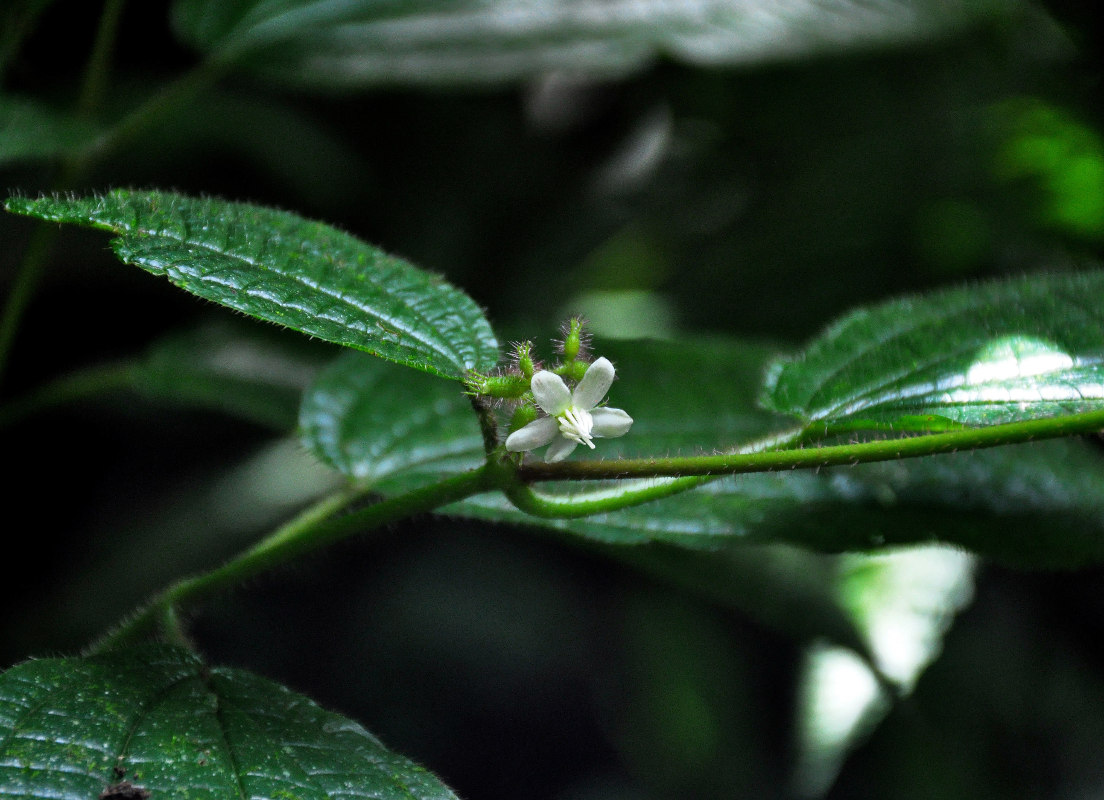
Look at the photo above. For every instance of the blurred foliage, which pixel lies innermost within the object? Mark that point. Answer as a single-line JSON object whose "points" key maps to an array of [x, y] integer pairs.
{"points": [[751, 195]]}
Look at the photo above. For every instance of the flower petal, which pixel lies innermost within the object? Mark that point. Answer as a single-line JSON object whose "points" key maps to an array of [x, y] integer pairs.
{"points": [[610, 422], [550, 392], [595, 383], [559, 449], [537, 433]]}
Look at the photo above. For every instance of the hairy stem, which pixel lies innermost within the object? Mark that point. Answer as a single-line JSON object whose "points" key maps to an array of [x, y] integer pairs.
{"points": [[663, 477], [313, 529], [773, 459], [23, 287]]}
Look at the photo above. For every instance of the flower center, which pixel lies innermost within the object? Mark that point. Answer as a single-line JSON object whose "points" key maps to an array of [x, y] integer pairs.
{"points": [[576, 424]]}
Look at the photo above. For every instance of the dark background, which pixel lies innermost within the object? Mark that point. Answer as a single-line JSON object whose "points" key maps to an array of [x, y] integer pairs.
{"points": [[779, 194]]}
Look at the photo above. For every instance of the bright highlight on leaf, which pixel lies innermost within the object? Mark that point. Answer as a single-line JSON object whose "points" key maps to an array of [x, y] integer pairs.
{"points": [[168, 724], [279, 267], [1000, 352], [366, 42]]}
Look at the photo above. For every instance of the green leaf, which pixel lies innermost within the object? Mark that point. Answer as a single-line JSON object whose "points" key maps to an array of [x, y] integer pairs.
{"points": [[997, 352], [371, 422], [165, 722], [376, 424], [365, 42], [281, 268], [31, 131]]}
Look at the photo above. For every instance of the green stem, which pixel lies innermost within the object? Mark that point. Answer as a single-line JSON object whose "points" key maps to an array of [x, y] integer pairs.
{"points": [[15, 24], [85, 383], [23, 287], [95, 74], [162, 103], [314, 528], [673, 475], [488, 424], [153, 110]]}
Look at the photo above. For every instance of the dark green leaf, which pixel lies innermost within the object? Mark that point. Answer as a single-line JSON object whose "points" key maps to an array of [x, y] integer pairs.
{"points": [[282, 268], [371, 421], [1049, 496], [31, 131], [998, 352], [163, 721], [364, 42]]}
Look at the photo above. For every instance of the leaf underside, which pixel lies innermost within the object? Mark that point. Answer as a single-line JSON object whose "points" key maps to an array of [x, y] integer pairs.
{"points": [[279, 267], [163, 721]]}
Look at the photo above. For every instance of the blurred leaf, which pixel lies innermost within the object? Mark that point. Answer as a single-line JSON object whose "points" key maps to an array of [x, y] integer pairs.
{"points": [[687, 704], [31, 131], [1049, 150], [327, 43], [998, 352], [297, 149], [784, 588], [1049, 496], [75, 726], [904, 602], [281, 268], [238, 368]]}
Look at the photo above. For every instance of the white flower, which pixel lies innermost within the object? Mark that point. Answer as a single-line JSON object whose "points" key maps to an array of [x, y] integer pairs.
{"points": [[572, 415]]}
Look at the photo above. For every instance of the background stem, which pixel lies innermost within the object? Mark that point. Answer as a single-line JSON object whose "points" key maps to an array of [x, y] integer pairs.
{"points": [[310, 531]]}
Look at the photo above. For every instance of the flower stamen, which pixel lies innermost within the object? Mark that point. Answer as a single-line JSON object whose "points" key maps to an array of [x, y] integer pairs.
{"points": [[576, 424]]}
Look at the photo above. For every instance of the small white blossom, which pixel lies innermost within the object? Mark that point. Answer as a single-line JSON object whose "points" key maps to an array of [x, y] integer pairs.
{"points": [[571, 414]]}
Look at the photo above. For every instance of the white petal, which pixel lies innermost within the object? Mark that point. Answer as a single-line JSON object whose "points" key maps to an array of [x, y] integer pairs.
{"points": [[550, 392], [559, 449], [610, 422], [595, 383], [537, 433]]}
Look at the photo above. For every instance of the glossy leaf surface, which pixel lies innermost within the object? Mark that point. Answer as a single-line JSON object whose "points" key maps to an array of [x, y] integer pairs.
{"points": [[998, 352], [326, 43], [166, 723], [281, 268]]}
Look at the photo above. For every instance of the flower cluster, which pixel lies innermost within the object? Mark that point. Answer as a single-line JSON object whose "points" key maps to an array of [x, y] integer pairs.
{"points": [[574, 417]]}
